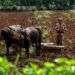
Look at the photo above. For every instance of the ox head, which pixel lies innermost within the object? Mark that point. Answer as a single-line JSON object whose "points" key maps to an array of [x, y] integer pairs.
{"points": [[1, 34], [4, 34]]}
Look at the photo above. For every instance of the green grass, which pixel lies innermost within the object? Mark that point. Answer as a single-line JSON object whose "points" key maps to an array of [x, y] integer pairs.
{"points": [[60, 66]]}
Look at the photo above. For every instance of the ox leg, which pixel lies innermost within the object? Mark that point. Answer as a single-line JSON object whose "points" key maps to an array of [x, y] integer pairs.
{"points": [[27, 52], [7, 50], [18, 50], [37, 49], [38, 46]]}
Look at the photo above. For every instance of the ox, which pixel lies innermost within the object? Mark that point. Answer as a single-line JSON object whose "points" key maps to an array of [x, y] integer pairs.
{"points": [[21, 38], [32, 37], [12, 37]]}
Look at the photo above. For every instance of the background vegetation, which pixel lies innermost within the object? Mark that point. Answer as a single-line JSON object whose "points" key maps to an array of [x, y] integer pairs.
{"points": [[39, 4]]}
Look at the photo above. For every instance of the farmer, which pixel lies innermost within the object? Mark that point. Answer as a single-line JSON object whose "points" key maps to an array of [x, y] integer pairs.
{"points": [[60, 27]]}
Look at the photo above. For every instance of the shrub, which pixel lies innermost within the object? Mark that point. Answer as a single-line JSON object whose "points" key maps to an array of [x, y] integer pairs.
{"points": [[61, 66]]}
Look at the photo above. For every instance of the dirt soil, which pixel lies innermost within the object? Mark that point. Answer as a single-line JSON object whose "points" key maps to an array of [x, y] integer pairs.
{"points": [[13, 17]]}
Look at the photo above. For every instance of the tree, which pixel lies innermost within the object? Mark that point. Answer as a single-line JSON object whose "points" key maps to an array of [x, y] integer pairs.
{"points": [[58, 4], [41, 4]]}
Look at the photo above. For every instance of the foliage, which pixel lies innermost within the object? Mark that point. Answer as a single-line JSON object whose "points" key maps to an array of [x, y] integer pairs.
{"points": [[7, 4], [40, 4], [6, 68], [49, 4], [62, 66]]}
